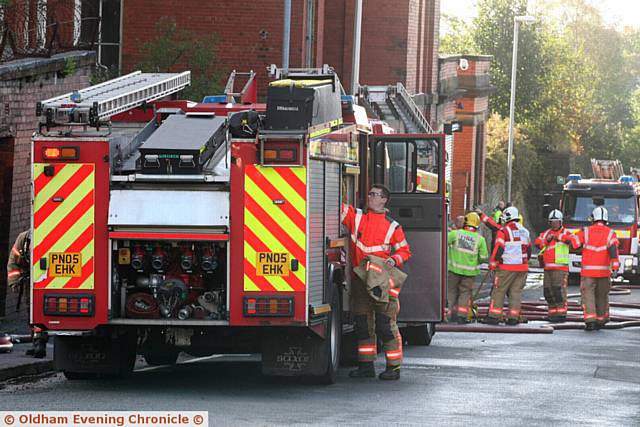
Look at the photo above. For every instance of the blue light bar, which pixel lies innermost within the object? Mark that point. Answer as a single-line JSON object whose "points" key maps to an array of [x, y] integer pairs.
{"points": [[215, 99], [627, 178], [574, 177]]}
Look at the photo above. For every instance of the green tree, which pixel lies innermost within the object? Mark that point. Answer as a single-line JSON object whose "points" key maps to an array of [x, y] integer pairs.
{"points": [[177, 49]]}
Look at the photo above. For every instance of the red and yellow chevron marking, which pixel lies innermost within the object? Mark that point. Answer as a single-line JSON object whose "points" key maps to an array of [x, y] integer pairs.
{"points": [[63, 221], [275, 221]]}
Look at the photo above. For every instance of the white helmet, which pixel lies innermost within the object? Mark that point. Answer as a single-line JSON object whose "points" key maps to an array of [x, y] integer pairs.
{"points": [[555, 215], [600, 214], [509, 214]]}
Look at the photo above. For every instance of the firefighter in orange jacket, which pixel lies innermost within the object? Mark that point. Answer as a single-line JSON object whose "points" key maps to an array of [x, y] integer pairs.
{"points": [[554, 245], [599, 262], [18, 281], [373, 232], [511, 258]]}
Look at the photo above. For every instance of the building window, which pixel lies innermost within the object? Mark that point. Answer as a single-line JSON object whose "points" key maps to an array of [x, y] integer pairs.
{"points": [[102, 17]]}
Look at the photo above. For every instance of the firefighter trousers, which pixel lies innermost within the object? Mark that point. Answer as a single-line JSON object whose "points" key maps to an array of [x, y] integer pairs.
{"points": [[595, 298], [372, 320], [507, 283], [555, 291], [459, 289]]}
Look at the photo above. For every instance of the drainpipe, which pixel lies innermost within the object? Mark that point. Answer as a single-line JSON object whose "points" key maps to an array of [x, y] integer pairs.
{"points": [[286, 34], [355, 65]]}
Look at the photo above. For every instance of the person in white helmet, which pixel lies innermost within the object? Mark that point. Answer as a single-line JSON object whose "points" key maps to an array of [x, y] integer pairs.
{"points": [[554, 246], [510, 258], [599, 262]]}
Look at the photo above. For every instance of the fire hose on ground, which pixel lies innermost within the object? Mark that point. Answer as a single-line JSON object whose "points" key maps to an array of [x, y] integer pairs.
{"points": [[537, 310]]}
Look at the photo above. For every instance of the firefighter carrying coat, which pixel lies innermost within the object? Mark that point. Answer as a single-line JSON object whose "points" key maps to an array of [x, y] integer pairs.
{"points": [[554, 245], [599, 260], [375, 233]]}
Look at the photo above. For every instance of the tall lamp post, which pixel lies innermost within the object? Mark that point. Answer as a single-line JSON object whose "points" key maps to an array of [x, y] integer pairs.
{"points": [[514, 64]]}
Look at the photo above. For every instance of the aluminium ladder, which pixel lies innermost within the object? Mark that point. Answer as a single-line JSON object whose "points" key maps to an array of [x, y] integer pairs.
{"points": [[96, 104]]}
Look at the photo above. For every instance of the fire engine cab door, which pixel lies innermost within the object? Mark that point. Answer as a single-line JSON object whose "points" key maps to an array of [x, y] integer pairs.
{"points": [[63, 226], [412, 167]]}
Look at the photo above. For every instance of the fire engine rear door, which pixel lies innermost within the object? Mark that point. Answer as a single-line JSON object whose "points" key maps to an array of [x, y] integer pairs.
{"points": [[275, 217], [63, 226], [412, 167]]}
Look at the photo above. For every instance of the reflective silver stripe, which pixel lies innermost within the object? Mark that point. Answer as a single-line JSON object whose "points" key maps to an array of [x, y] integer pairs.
{"points": [[392, 228], [398, 259], [400, 245], [463, 267], [595, 267], [556, 265], [354, 235], [586, 234], [595, 248], [371, 249], [344, 212]]}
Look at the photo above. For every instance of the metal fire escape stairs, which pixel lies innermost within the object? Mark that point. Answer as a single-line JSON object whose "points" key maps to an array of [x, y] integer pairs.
{"points": [[94, 105], [394, 105]]}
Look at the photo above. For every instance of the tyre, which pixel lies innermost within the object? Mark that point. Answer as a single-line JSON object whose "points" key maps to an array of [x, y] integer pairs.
{"points": [[165, 356], [418, 335], [332, 343]]}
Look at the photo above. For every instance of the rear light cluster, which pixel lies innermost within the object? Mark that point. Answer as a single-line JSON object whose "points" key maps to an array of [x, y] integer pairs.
{"points": [[61, 153], [69, 305], [281, 155], [268, 306]]}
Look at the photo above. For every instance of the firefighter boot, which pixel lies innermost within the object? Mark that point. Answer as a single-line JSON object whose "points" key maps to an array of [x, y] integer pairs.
{"points": [[590, 326], [390, 374], [365, 370]]}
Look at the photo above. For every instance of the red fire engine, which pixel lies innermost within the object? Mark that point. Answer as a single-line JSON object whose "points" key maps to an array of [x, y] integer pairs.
{"points": [[164, 226], [619, 194]]}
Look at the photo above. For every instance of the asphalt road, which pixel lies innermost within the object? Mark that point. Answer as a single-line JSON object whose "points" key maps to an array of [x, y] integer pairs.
{"points": [[568, 378]]}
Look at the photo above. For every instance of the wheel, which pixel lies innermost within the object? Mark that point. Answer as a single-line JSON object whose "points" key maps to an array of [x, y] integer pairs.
{"points": [[418, 335], [332, 343], [165, 356]]}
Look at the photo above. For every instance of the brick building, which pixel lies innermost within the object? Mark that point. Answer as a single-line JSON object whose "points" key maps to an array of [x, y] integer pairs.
{"points": [[464, 91], [399, 38], [23, 83]]}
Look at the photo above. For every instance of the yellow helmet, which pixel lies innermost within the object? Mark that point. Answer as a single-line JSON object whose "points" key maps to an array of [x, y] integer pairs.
{"points": [[472, 219]]}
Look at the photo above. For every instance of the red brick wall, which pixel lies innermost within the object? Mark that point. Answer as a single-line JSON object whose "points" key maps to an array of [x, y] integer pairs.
{"points": [[21, 94], [462, 175], [249, 33]]}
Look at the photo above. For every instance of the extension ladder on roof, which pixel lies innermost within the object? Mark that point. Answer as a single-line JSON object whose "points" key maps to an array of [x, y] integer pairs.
{"points": [[96, 104]]}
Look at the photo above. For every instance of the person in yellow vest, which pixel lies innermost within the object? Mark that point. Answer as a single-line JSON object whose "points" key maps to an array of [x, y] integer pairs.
{"points": [[554, 243], [467, 250]]}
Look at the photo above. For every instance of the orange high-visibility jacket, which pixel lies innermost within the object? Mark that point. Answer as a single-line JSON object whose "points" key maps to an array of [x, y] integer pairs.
{"points": [[599, 250], [549, 254], [376, 234], [514, 241]]}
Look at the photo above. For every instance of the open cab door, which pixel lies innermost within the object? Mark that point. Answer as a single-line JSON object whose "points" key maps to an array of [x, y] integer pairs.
{"points": [[412, 167]]}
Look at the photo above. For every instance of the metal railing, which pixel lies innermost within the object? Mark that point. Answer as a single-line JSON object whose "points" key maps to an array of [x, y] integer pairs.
{"points": [[413, 109]]}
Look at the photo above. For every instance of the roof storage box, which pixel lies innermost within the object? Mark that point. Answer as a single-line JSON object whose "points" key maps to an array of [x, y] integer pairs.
{"points": [[182, 144], [301, 104]]}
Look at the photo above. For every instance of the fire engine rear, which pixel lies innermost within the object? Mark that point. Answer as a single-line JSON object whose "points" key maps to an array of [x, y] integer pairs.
{"points": [[167, 226]]}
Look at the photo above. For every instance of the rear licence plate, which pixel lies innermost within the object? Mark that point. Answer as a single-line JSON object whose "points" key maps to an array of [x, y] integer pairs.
{"points": [[65, 264], [272, 264]]}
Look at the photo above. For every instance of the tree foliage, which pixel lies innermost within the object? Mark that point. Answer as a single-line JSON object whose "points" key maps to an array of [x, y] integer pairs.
{"points": [[577, 93], [178, 49]]}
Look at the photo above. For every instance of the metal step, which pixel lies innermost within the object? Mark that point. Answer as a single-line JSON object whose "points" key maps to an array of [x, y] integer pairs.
{"points": [[96, 104]]}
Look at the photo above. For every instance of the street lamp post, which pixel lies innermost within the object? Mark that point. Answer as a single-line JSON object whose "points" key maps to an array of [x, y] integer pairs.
{"points": [[514, 64]]}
